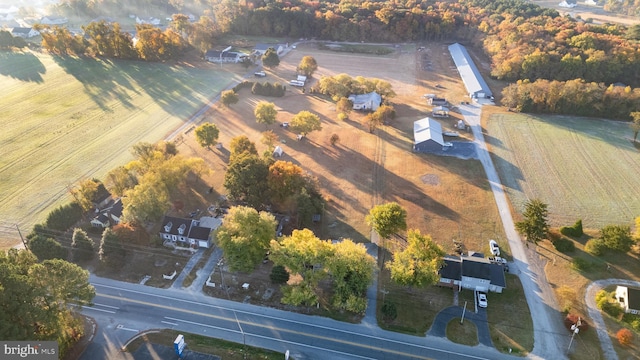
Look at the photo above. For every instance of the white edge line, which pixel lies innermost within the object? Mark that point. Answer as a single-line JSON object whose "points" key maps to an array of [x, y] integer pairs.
{"points": [[297, 322], [96, 309], [107, 306]]}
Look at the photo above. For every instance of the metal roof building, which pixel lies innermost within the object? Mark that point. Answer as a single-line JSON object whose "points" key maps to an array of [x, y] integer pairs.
{"points": [[427, 135], [471, 77]]}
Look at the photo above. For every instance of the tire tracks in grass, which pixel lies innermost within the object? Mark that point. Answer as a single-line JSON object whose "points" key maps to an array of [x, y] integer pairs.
{"points": [[59, 194]]}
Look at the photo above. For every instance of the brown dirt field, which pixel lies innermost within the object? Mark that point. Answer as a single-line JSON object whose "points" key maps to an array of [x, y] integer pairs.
{"points": [[445, 197]]}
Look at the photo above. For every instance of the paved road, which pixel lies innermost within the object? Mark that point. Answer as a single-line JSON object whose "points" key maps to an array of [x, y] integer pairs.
{"points": [[550, 337], [123, 310]]}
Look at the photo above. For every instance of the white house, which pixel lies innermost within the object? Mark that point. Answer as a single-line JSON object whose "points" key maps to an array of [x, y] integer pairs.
{"points": [[261, 49], [629, 299], [150, 20], [24, 32], [189, 232], [53, 20], [370, 101]]}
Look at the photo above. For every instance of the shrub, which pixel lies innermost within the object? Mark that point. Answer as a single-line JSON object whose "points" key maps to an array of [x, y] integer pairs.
{"points": [[635, 324], [334, 139], [268, 89], [389, 310], [595, 247], [617, 237], [279, 275], [581, 264], [343, 117], [564, 245], [573, 231], [243, 85], [624, 336]]}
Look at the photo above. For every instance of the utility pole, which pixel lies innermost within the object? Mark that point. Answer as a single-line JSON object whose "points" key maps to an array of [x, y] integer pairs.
{"points": [[463, 311], [576, 329], [21, 238]]}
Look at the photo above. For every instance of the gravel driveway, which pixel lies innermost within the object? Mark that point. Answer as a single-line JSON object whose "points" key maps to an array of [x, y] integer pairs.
{"points": [[549, 342]]}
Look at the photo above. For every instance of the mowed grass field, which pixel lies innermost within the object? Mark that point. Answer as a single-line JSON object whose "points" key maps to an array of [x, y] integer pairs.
{"points": [[582, 168], [65, 119]]}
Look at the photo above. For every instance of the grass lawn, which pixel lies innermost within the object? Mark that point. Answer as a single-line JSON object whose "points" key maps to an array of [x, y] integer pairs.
{"points": [[582, 168], [509, 318], [465, 333], [66, 119], [224, 349]]}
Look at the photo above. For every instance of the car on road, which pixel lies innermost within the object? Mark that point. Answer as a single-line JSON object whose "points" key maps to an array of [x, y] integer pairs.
{"points": [[482, 300], [259, 74]]}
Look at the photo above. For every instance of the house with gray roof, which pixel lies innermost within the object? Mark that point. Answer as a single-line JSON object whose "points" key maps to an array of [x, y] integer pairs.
{"points": [[24, 32], [477, 88], [473, 273]]}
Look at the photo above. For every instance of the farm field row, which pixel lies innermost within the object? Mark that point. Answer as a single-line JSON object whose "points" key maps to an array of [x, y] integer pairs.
{"points": [[65, 119], [582, 168]]}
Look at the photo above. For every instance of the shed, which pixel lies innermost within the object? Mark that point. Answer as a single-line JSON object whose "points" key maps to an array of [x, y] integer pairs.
{"points": [[471, 77], [370, 101], [302, 78], [277, 152], [427, 135]]}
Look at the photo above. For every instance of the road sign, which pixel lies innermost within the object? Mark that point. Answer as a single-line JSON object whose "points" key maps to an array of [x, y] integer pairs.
{"points": [[179, 344]]}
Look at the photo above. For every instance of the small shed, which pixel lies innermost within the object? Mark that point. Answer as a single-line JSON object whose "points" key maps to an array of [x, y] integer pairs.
{"points": [[277, 152], [427, 135]]}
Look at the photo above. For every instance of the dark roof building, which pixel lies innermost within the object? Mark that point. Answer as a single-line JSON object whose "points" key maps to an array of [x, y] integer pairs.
{"points": [[472, 272]]}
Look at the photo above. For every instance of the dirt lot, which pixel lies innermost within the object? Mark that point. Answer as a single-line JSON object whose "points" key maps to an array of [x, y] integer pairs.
{"points": [[445, 197]]}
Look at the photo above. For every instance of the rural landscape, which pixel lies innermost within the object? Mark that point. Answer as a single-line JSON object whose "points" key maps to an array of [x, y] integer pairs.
{"points": [[176, 137]]}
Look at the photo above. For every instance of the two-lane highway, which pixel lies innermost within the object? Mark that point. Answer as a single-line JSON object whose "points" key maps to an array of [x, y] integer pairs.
{"points": [[124, 309]]}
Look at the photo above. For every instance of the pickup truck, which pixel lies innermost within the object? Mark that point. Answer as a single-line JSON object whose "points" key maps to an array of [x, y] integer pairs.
{"points": [[259, 74]]}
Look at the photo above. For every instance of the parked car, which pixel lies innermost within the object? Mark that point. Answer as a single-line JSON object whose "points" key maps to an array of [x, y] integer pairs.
{"points": [[259, 74], [482, 300], [493, 246], [498, 260]]}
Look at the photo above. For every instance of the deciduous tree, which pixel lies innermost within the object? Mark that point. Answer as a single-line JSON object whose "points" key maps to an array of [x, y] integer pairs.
{"points": [[244, 237], [269, 138], [265, 113], [301, 253], [387, 219], [308, 65], [246, 179], [305, 122], [418, 264], [351, 269], [534, 226], [240, 145], [207, 135], [229, 97], [285, 180], [270, 58]]}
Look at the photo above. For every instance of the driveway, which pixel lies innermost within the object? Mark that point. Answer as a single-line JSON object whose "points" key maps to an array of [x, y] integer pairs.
{"points": [[439, 326], [546, 318], [596, 316]]}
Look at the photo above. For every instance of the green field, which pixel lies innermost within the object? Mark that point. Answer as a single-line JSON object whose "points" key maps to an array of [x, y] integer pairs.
{"points": [[583, 168], [65, 119]]}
